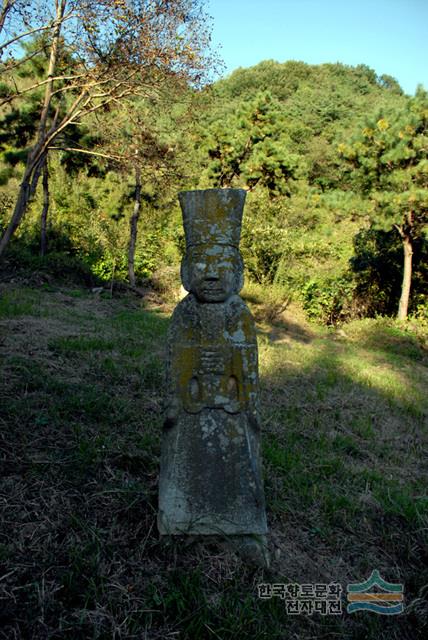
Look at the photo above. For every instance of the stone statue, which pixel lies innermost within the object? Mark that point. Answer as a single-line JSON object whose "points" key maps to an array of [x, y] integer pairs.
{"points": [[210, 478]]}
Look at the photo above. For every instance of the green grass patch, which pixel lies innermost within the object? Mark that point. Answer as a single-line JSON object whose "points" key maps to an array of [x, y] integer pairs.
{"points": [[78, 344], [24, 302], [141, 325], [410, 503]]}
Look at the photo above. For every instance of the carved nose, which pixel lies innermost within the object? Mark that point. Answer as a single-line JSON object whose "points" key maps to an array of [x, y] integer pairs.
{"points": [[211, 276]]}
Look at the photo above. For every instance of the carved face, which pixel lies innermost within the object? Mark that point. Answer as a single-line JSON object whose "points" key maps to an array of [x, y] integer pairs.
{"points": [[212, 273]]}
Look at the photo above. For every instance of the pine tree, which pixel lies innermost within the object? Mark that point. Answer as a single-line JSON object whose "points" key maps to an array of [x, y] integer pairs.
{"points": [[389, 162], [251, 150]]}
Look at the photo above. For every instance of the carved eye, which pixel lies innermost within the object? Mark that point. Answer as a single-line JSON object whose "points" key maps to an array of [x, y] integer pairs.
{"points": [[232, 387], [194, 389]]}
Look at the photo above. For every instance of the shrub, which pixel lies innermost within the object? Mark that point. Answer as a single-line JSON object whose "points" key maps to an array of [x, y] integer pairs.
{"points": [[328, 300], [21, 260], [377, 267]]}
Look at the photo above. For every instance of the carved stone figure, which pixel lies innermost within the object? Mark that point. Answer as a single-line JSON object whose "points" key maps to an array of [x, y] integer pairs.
{"points": [[210, 479]]}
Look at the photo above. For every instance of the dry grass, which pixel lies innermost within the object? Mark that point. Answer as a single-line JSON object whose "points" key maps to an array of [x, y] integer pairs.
{"points": [[345, 446]]}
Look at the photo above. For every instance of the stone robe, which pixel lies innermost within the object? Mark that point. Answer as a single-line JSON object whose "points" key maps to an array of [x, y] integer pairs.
{"points": [[210, 478]]}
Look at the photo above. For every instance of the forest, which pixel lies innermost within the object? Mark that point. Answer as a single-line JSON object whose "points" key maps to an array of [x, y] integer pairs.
{"points": [[333, 157]]}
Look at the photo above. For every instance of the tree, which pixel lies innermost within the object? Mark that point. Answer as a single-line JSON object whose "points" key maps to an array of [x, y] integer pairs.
{"points": [[119, 50], [19, 125], [388, 161], [251, 150], [146, 157], [5, 10]]}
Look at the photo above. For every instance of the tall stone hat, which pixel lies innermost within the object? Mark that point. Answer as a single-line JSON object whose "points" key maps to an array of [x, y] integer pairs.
{"points": [[212, 216]]}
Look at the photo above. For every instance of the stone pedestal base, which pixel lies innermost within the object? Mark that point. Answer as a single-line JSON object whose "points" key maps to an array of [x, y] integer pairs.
{"points": [[253, 550], [210, 477]]}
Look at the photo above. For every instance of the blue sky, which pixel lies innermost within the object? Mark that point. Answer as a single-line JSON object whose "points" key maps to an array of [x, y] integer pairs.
{"points": [[390, 36]]}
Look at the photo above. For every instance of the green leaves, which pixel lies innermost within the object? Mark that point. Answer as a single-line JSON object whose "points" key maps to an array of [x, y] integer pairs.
{"points": [[250, 149], [388, 160]]}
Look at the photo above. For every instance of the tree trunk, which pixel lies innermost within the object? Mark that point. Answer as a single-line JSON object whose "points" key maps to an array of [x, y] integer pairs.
{"points": [[27, 189], [133, 227], [60, 9], [113, 271], [7, 6], [45, 210], [407, 276], [20, 207], [37, 157]]}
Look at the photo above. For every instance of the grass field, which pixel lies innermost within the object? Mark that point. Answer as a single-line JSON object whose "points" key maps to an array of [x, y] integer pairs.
{"points": [[345, 449]]}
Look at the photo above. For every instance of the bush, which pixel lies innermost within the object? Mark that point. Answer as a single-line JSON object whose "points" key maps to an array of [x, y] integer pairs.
{"points": [[377, 267], [166, 280], [329, 300], [22, 261], [263, 237]]}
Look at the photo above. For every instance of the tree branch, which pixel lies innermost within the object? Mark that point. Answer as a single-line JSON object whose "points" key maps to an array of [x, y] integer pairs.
{"points": [[41, 84], [30, 32], [400, 230], [24, 35], [90, 153], [7, 6], [18, 63]]}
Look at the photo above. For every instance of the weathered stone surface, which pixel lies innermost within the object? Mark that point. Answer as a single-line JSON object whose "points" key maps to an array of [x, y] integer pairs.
{"points": [[210, 479]]}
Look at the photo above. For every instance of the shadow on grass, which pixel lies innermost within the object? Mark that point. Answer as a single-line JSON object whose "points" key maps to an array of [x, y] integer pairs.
{"points": [[345, 448], [393, 341], [285, 330]]}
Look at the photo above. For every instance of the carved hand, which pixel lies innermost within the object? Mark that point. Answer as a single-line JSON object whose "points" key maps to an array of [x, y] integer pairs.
{"points": [[212, 361]]}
